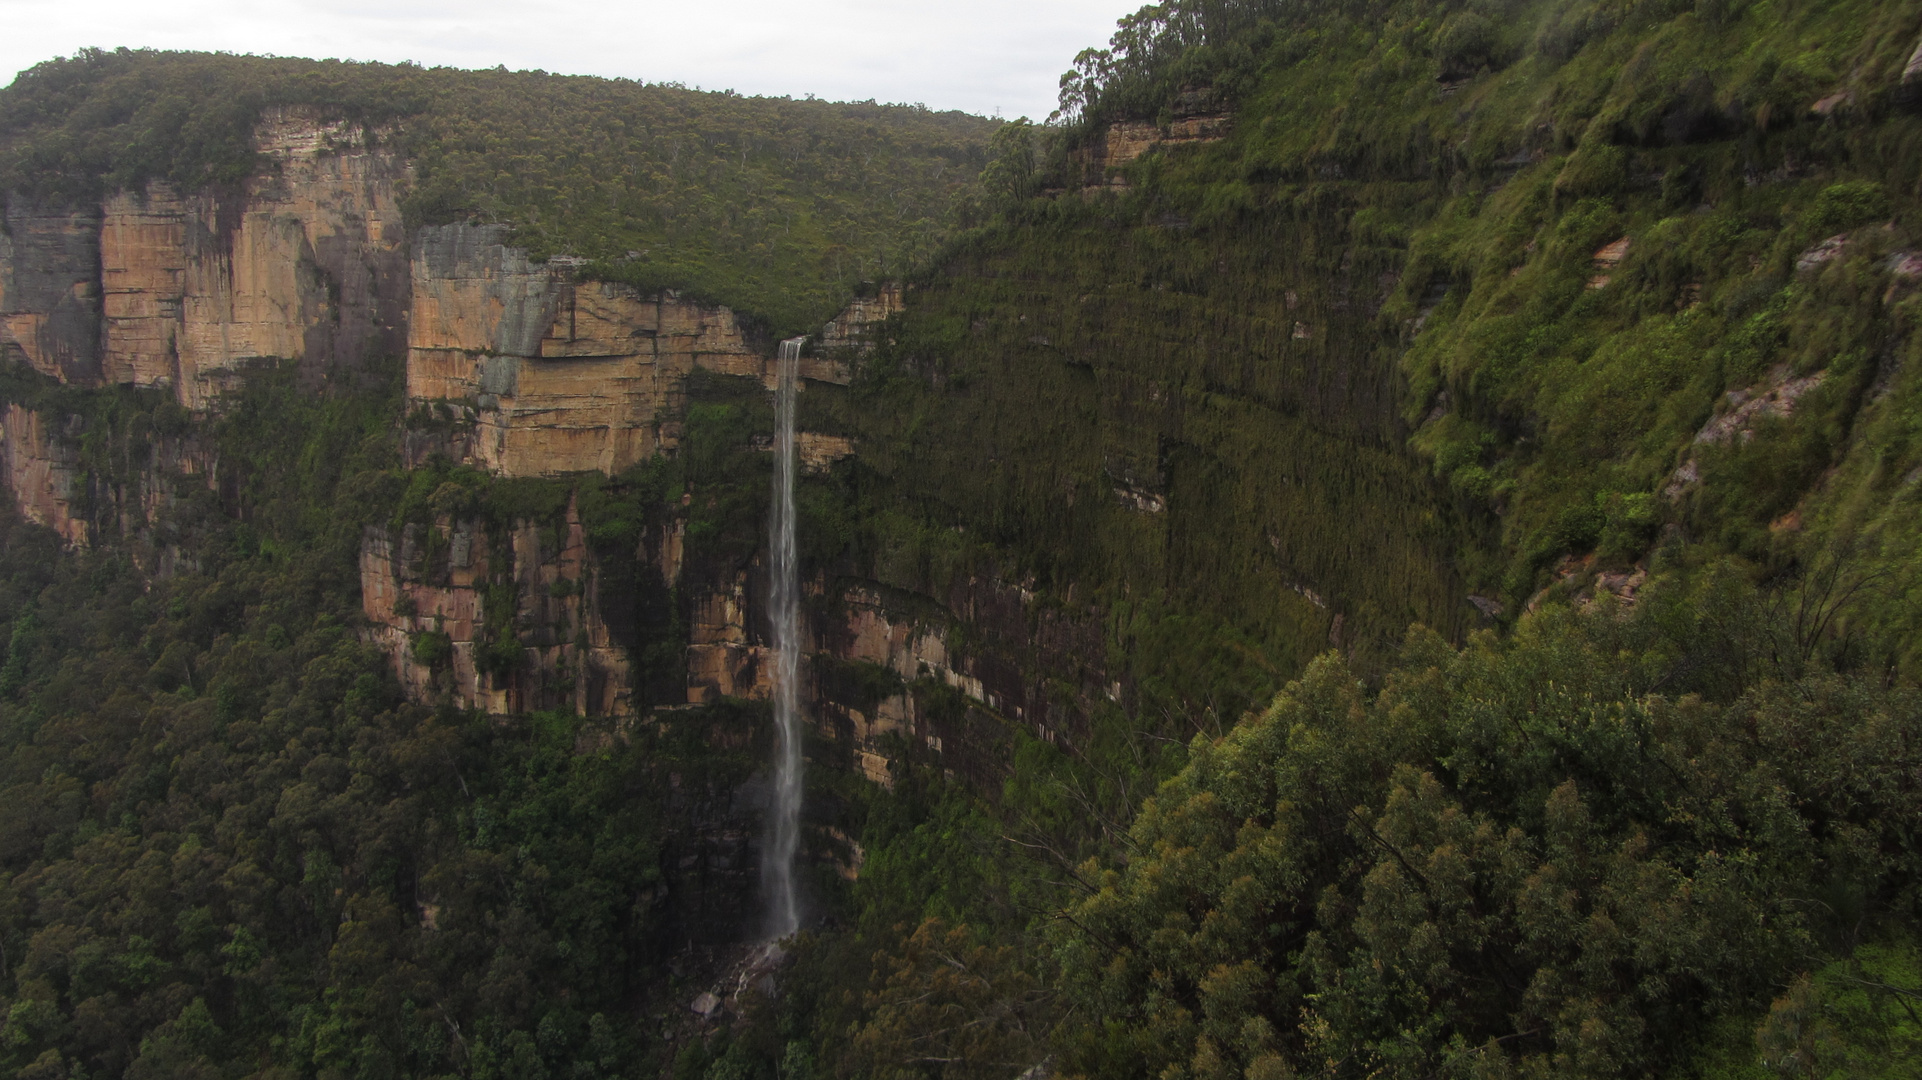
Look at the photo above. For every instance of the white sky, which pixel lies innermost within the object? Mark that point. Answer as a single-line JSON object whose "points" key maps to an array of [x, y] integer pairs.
{"points": [[977, 55]]}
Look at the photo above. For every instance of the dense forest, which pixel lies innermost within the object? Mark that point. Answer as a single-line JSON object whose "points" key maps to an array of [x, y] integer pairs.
{"points": [[1472, 479]]}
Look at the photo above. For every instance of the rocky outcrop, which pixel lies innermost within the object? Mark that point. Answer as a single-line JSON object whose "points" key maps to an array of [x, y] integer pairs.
{"points": [[143, 277], [529, 370], [43, 473], [1606, 260], [818, 452], [306, 262], [1741, 413], [1774, 399], [723, 658], [853, 329], [993, 685], [42, 469], [49, 294], [537, 373], [1125, 141], [1196, 117], [552, 375], [1822, 253], [426, 593]]}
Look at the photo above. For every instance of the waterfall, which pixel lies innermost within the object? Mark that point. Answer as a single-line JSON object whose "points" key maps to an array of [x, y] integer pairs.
{"points": [[784, 815]]}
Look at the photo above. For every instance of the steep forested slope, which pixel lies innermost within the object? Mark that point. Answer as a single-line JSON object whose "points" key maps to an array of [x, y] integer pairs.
{"points": [[233, 847], [1578, 333], [1632, 285], [1617, 275]]}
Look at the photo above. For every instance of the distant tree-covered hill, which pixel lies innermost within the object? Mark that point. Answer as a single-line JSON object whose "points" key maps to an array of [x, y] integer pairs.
{"points": [[773, 206]]}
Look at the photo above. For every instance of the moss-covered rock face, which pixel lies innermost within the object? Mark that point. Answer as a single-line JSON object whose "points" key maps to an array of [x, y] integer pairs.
{"points": [[1440, 300]]}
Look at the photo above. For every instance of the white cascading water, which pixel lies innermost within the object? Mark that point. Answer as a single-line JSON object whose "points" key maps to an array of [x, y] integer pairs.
{"points": [[784, 816]]}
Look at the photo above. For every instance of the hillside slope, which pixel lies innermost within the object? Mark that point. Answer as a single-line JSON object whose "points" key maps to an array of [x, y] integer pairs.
{"points": [[392, 703], [1457, 313], [1622, 279]]}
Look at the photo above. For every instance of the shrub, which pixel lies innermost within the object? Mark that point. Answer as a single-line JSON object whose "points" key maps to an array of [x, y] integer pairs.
{"points": [[431, 649]]}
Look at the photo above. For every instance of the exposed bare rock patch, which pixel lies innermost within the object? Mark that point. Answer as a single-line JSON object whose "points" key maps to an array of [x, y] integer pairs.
{"points": [[1822, 253], [1774, 399], [854, 328], [43, 474], [1197, 118], [432, 580], [1606, 259]]}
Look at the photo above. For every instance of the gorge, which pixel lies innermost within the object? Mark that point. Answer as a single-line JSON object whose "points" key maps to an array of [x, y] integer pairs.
{"points": [[1380, 541]]}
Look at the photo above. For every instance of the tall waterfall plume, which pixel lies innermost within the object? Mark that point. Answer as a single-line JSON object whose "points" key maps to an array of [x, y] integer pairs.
{"points": [[784, 816]]}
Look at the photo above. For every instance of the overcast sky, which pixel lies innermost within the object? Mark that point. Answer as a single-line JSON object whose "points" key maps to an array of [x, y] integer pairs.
{"points": [[978, 55]]}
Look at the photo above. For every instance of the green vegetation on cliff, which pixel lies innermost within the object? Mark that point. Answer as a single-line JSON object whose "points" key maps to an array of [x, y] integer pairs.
{"points": [[1643, 267], [1579, 333], [229, 847], [1614, 277], [1405, 258], [777, 208]]}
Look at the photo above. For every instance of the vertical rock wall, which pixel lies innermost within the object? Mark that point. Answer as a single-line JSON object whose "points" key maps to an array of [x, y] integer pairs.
{"points": [[50, 291], [305, 262], [143, 277], [43, 473], [435, 580], [535, 373], [555, 376], [854, 327]]}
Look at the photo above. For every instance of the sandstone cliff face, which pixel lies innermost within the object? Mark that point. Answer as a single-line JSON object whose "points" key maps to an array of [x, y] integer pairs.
{"points": [[855, 326], [143, 278], [43, 474], [725, 658], [49, 294], [306, 262], [995, 682], [1196, 119], [437, 580], [1038, 669], [818, 452], [532, 373], [41, 466], [555, 376]]}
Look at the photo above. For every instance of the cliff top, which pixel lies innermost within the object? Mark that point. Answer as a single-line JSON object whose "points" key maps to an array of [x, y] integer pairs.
{"points": [[773, 206]]}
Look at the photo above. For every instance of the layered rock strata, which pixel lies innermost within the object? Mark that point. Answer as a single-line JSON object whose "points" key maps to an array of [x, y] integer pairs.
{"points": [[1197, 118], [854, 328], [43, 473], [425, 593], [49, 293], [42, 466], [533, 373], [528, 372], [307, 262], [552, 375]]}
